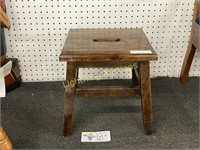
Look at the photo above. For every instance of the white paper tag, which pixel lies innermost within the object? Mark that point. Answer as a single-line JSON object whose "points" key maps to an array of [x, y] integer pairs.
{"points": [[140, 52], [102, 136], [7, 68], [2, 83]]}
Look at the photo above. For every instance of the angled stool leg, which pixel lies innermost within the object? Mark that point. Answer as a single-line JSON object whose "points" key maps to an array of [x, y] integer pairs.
{"points": [[146, 97], [187, 64], [69, 99]]}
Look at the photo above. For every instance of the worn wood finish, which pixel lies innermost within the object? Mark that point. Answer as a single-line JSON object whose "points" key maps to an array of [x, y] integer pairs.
{"points": [[146, 97], [105, 57], [101, 48], [69, 100], [107, 91], [194, 40], [80, 45]]}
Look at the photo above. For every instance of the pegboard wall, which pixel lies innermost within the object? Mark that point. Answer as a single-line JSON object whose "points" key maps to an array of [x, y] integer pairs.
{"points": [[40, 27]]}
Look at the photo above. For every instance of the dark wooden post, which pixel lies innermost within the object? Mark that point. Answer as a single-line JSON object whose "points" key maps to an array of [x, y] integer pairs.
{"points": [[69, 99], [146, 97]]}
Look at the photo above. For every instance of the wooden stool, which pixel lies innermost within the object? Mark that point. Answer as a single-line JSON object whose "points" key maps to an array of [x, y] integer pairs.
{"points": [[192, 46], [95, 48]]}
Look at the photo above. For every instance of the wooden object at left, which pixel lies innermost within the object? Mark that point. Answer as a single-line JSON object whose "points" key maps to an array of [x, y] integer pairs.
{"points": [[5, 143], [100, 48]]}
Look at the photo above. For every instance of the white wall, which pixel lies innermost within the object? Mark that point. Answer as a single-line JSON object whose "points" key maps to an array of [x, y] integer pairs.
{"points": [[39, 29]]}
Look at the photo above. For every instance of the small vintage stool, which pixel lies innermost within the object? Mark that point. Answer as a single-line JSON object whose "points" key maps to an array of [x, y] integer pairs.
{"points": [[99, 48]]}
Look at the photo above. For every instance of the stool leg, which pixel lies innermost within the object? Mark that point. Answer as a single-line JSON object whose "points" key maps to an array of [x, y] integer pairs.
{"points": [[76, 77], [135, 79], [69, 99], [146, 97], [187, 64]]}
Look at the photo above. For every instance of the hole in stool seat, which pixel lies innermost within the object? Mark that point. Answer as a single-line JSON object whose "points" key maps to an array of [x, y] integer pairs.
{"points": [[106, 40]]}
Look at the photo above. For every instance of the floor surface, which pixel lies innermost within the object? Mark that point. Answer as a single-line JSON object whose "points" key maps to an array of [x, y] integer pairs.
{"points": [[32, 116]]}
